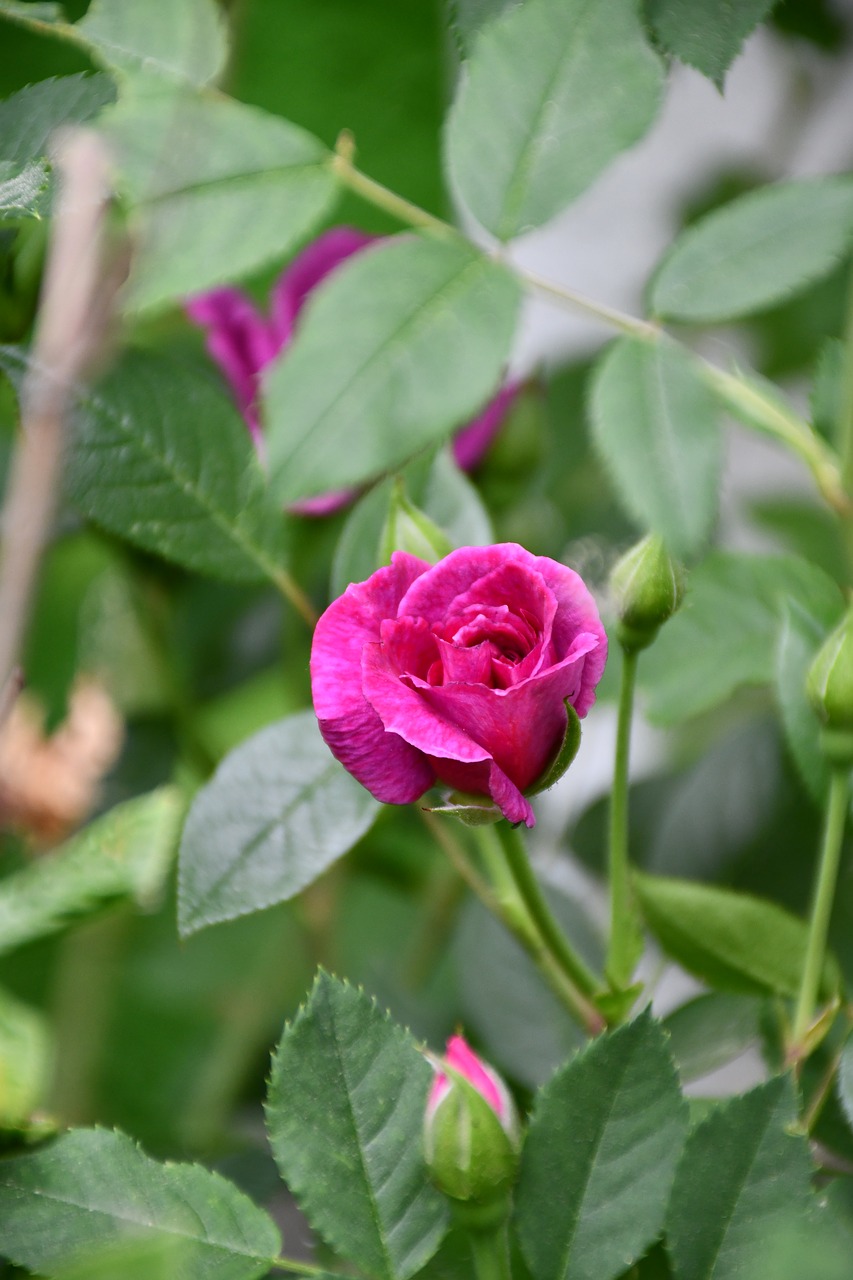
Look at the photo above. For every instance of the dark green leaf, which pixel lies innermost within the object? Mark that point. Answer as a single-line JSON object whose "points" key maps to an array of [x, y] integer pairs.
{"points": [[403, 343], [725, 635], [277, 813], [708, 35], [216, 188], [25, 1061], [827, 397], [710, 1031], [92, 1188], [742, 1179], [127, 853], [799, 640], [345, 1117], [732, 941], [600, 1156], [22, 188], [532, 125], [755, 251], [184, 41], [161, 457], [655, 423]]}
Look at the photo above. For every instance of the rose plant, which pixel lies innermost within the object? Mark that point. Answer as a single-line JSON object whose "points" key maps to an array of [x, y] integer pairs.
{"points": [[373, 858]]}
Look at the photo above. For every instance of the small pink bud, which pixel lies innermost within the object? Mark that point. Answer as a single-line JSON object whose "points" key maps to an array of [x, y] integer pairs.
{"points": [[471, 1132]]}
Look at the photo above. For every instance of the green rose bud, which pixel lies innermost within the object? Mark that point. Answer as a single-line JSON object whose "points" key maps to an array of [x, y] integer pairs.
{"points": [[407, 528], [648, 586], [471, 1136], [829, 686]]}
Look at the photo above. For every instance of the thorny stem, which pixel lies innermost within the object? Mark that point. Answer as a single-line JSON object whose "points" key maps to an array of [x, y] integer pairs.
{"points": [[824, 893], [620, 956]]}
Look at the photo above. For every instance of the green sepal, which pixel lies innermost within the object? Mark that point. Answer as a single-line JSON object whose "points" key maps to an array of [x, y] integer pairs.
{"points": [[566, 753]]}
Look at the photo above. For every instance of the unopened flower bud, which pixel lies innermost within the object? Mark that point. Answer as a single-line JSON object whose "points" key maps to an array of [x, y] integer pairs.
{"points": [[471, 1133], [648, 586], [407, 528], [829, 685]]}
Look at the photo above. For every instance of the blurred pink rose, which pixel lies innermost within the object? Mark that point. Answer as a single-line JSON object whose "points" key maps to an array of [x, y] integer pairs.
{"points": [[462, 1059], [243, 342], [456, 673]]}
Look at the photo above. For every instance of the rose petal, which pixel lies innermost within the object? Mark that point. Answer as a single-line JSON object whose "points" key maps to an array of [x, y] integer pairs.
{"points": [[390, 768], [455, 577], [313, 264], [486, 779], [473, 665], [576, 613], [473, 441]]}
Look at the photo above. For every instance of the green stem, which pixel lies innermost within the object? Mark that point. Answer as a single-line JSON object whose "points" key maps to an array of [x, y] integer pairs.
{"points": [[827, 876], [517, 922], [490, 1250], [621, 950], [297, 1268], [620, 320], [531, 895], [294, 594], [845, 418], [382, 197]]}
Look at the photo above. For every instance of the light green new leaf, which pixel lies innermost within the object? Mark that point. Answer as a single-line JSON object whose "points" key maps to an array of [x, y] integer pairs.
{"points": [[161, 457], [92, 1188], [600, 1156], [345, 1117], [33, 14], [25, 1061], [656, 426], [532, 125], [726, 632], [708, 35], [401, 344], [180, 39], [276, 814], [216, 188], [126, 853], [712, 1030], [845, 1080], [800, 638], [730, 940], [743, 1178], [755, 251]]}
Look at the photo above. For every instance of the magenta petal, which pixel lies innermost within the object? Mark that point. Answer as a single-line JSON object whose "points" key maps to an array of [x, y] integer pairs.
{"points": [[455, 576], [312, 265], [390, 768], [471, 442], [487, 779], [324, 504], [239, 340], [576, 613], [473, 665]]}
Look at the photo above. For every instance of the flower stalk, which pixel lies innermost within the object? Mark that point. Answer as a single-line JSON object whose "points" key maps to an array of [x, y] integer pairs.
{"points": [[622, 945], [827, 877], [490, 1251]]}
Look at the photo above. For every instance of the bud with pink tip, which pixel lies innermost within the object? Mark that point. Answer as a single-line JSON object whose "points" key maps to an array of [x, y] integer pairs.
{"points": [[471, 1131]]}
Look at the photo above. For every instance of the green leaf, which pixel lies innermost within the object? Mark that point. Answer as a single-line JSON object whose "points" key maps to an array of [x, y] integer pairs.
{"points": [[799, 640], [345, 1118], [29, 118], [742, 1179], [162, 457], [127, 853], [28, 14], [25, 1061], [600, 1156], [92, 1188], [726, 632], [710, 1031], [468, 16], [730, 940], [755, 251], [22, 189], [532, 125], [277, 813], [655, 424], [400, 345], [217, 189], [183, 41], [442, 491], [827, 398], [709, 35]]}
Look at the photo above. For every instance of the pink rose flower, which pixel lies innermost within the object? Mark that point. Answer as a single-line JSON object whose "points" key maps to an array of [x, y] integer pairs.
{"points": [[462, 1059], [456, 673], [243, 342]]}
